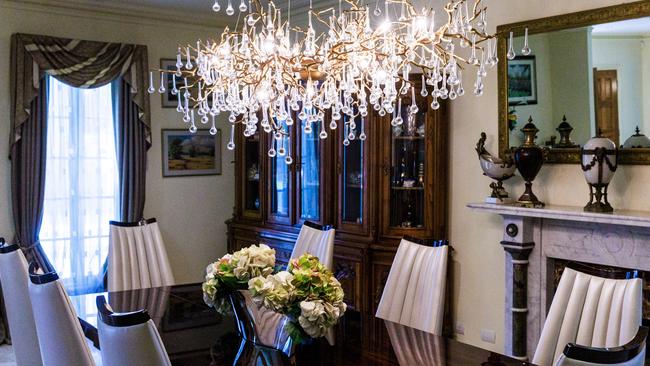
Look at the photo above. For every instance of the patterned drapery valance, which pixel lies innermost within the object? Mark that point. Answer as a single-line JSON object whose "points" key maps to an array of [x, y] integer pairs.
{"points": [[83, 64]]}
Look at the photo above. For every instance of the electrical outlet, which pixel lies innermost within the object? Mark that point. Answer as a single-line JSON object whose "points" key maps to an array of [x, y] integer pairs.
{"points": [[488, 335], [460, 328]]}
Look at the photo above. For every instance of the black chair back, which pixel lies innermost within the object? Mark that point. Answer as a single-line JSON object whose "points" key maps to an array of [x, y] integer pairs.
{"points": [[111, 318]]}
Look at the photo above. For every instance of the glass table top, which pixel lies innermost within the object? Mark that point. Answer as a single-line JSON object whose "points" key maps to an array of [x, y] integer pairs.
{"points": [[195, 334]]}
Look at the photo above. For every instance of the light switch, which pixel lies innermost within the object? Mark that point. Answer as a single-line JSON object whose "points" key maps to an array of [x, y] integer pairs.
{"points": [[488, 335]]}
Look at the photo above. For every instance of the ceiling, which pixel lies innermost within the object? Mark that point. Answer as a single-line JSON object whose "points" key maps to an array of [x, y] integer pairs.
{"points": [[194, 11]]}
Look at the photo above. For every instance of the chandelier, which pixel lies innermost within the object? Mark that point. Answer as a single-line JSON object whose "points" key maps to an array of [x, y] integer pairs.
{"points": [[263, 71]]}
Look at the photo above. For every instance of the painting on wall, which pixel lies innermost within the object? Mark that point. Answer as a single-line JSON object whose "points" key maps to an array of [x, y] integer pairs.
{"points": [[522, 81], [186, 154], [169, 100]]}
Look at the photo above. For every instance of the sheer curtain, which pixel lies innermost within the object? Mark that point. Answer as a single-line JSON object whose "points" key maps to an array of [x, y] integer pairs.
{"points": [[80, 184]]}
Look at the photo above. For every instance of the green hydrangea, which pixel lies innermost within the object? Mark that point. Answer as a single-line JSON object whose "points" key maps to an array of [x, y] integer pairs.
{"points": [[308, 292]]}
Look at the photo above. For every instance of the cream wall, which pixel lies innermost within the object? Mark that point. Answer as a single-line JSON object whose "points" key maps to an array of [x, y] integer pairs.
{"points": [[625, 55], [479, 259], [571, 80], [191, 210]]}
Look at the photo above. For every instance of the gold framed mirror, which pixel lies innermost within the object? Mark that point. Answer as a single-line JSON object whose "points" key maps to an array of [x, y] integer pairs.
{"points": [[585, 66]]}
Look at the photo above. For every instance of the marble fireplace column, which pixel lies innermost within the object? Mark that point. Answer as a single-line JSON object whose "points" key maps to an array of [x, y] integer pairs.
{"points": [[517, 241]]}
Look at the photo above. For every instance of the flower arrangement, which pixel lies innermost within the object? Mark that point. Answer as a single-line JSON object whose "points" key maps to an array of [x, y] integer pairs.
{"points": [[233, 271], [307, 292]]}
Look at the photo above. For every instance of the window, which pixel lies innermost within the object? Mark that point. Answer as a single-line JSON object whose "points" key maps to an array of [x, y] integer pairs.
{"points": [[80, 184]]}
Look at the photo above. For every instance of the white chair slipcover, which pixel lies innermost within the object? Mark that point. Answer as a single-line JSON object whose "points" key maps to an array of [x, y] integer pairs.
{"points": [[15, 290], [414, 294], [316, 240], [137, 257], [61, 339], [129, 339], [590, 311], [415, 347]]}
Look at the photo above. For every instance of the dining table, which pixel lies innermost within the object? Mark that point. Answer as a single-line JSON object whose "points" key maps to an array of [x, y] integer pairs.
{"points": [[194, 333]]}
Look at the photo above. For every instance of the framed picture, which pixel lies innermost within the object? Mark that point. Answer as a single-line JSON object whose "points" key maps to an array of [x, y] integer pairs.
{"points": [[522, 81], [169, 100], [186, 154]]}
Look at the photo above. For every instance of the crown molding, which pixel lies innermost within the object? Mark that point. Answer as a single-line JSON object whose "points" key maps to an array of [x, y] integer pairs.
{"points": [[127, 13]]}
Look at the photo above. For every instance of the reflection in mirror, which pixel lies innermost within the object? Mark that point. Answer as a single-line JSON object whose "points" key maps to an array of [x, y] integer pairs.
{"points": [[583, 81]]}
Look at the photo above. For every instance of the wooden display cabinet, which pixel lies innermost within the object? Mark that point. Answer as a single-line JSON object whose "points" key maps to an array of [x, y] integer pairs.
{"points": [[373, 192]]}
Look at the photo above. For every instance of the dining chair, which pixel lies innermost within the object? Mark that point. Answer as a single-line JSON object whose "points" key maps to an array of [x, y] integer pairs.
{"points": [[592, 308], [415, 347], [630, 354], [61, 339], [15, 291], [129, 339], [137, 257], [317, 240], [414, 294]]}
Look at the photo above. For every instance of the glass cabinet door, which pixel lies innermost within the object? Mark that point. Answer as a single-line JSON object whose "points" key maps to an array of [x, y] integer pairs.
{"points": [[309, 175], [353, 179], [405, 171], [252, 199], [280, 187]]}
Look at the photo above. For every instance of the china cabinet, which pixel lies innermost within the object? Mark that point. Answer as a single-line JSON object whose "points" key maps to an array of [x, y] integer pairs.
{"points": [[373, 190]]}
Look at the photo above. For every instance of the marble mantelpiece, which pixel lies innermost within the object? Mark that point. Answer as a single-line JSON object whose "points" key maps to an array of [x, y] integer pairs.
{"points": [[534, 237]]}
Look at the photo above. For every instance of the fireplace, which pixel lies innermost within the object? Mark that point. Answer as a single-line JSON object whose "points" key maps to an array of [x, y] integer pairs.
{"points": [[558, 266], [540, 242]]}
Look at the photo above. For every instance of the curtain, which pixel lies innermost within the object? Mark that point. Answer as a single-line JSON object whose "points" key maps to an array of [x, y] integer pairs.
{"points": [[131, 147], [85, 64], [28, 156]]}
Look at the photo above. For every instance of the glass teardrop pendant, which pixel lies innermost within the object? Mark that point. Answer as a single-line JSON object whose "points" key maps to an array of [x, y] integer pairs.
{"points": [[526, 50], [242, 6], [377, 10], [151, 89], [216, 7], [230, 10], [511, 48]]}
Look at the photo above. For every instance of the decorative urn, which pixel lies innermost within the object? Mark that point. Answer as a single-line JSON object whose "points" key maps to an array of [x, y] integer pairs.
{"points": [[636, 141], [497, 169], [529, 159], [599, 160], [564, 128]]}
